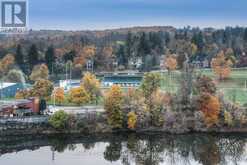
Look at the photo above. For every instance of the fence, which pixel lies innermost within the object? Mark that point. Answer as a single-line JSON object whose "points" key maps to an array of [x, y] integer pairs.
{"points": [[27, 120]]}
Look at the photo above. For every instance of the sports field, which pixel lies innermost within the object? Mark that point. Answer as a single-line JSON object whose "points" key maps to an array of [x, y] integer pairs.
{"points": [[234, 88]]}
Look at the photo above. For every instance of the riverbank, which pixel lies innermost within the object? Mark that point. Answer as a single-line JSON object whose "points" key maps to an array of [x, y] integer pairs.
{"points": [[91, 124]]}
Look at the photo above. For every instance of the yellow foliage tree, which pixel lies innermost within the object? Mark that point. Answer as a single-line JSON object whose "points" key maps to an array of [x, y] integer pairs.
{"points": [[42, 89], [22, 94], [78, 96], [221, 65], [39, 72], [113, 106], [6, 64], [58, 95], [132, 119], [210, 106], [92, 86]]}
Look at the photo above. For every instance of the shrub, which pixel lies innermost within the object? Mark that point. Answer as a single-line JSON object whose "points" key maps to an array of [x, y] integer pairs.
{"points": [[228, 118], [59, 120], [132, 118]]}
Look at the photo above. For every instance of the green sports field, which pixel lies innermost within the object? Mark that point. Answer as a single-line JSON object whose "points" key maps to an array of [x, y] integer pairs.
{"points": [[234, 88]]}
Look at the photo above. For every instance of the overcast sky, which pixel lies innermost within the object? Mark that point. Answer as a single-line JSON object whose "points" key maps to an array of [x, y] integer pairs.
{"points": [[106, 14]]}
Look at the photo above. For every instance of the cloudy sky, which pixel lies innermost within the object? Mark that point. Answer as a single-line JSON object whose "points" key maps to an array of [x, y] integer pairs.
{"points": [[105, 14]]}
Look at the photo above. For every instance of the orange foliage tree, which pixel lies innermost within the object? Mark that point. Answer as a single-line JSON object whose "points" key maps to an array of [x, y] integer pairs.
{"points": [[221, 65], [58, 95], [83, 54], [210, 106]]}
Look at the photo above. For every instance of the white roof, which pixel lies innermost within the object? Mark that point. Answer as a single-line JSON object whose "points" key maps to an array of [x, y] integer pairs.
{"points": [[6, 84]]}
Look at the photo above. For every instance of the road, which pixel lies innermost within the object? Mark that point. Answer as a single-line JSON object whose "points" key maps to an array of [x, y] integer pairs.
{"points": [[78, 110]]}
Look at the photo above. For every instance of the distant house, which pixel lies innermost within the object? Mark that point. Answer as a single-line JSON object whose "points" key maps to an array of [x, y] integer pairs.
{"points": [[135, 63], [201, 64], [8, 90]]}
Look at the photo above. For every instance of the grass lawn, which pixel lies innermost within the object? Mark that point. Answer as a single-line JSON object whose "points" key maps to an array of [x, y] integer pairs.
{"points": [[234, 88]]}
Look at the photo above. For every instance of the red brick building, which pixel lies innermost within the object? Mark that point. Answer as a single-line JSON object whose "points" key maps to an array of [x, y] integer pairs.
{"points": [[19, 107]]}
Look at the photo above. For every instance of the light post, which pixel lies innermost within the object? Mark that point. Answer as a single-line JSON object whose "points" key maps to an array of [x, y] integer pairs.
{"points": [[54, 97]]}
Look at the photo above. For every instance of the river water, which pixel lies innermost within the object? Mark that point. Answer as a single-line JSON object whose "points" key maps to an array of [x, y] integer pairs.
{"points": [[131, 149]]}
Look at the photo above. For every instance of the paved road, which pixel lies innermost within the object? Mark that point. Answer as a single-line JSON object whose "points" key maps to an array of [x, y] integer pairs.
{"points": [[78, 110]]}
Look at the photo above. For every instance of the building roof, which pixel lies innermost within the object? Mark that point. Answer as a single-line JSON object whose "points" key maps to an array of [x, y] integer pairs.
{"points": [[6, 104], [123, 79], [6, 84]]}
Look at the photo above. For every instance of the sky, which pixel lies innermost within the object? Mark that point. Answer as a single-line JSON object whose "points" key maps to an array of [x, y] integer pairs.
{"points": [[109, 14]]}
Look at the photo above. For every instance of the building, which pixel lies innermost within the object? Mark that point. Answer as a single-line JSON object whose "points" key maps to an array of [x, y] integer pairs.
{"points": [[20, 107], [8, 90], [122, 80]]}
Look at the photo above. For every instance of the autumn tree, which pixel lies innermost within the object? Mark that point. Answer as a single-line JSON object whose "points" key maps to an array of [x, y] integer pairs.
{"points": [[92, 86], [132, 119], [58, 95], [23, 94], [170, 63], [150, 85], [42, 89], [6, 64], [15, 76], [133, 101], [113, 107], [39, 72], [221, 65], [205, 84], [83, 54], [210, 106], [78, 96], [105, 58]]}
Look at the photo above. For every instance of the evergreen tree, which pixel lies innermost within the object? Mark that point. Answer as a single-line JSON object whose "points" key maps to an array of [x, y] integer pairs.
{"points": [[143, 47], [129, 45], [69, 56], [122, 59], [245, 34], [33, 56], [197, 39], [50, 58], [19, 57]]}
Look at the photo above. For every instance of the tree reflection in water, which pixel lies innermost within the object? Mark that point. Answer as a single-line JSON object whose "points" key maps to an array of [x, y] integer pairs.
{"points": [[171, 149]]}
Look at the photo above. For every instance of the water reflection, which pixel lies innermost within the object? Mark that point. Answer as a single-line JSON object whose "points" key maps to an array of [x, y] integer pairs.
{"points": [[142, 149]]}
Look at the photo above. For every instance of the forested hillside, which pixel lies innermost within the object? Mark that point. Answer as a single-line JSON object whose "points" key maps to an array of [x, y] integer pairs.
{"points": [[140, 48]]}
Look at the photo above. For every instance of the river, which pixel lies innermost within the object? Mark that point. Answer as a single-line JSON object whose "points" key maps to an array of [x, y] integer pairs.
{"points": [[125, 149]]}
